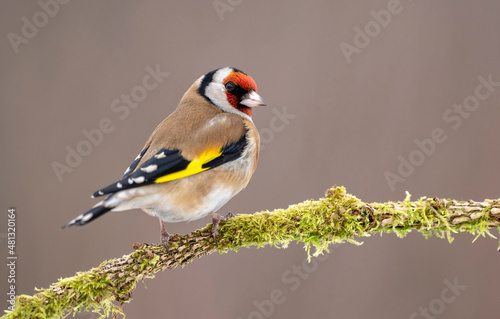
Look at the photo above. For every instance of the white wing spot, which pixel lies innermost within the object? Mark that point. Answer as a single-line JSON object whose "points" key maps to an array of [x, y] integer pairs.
{"points": [[150, 168], [130, 181], [161, 155], [87, 217], [138, 156], [100, 193], [118, 185], [127, 170], [139, 179]]}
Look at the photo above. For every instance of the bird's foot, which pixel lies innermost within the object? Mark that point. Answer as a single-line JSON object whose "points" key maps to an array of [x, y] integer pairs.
{"points": [[165, 238], [164, 235], [216, 219]]}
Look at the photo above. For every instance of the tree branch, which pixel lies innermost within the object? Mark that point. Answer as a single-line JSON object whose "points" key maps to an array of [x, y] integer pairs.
{"points": [[338, 217]]}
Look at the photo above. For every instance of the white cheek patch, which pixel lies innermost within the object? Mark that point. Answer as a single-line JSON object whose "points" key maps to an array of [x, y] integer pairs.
{"points": [[216, 92]]}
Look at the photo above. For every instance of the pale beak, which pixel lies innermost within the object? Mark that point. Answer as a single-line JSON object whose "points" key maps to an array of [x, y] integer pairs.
{"points": [[252, 99]]}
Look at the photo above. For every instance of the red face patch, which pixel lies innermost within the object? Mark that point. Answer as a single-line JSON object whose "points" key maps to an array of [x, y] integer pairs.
{"points": [[246, 83], [246, 110]]}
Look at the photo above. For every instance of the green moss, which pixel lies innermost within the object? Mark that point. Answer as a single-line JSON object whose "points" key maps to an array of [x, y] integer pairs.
{"points": [[341, 217]]}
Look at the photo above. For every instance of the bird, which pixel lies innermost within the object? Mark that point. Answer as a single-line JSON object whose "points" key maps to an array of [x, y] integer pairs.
{"points": [[197, 158]]}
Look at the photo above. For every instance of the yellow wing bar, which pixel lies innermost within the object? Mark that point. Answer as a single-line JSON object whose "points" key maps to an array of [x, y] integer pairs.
{"points": [[194, 167]]}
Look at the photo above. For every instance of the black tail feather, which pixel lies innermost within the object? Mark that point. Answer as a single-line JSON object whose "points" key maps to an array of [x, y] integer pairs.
{"points": [[88, 216]]}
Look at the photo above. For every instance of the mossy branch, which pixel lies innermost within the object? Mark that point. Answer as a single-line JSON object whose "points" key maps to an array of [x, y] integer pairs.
{"points": [[336, 218]]}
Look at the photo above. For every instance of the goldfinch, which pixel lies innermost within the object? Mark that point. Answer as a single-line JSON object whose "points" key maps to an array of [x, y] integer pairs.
{"points": [[196, 160]]}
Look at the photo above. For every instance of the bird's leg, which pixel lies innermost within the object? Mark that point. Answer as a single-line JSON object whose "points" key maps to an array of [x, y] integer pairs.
{"points": [[216, 219], [164, 236]]}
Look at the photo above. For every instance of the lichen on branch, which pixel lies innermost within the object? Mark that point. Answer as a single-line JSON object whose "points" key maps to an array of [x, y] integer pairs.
{"points": [[336, 218]]}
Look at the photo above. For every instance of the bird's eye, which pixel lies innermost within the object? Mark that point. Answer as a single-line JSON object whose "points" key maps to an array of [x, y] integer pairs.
{"points": [[230, 86]]}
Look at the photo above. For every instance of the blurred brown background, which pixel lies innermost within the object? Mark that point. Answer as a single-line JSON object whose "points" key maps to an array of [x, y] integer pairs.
{"points": [[334, 117]]}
